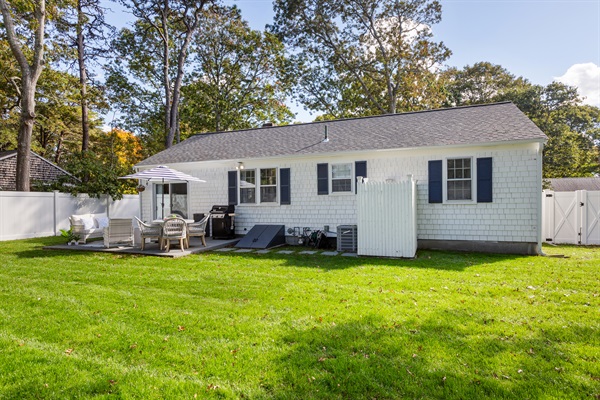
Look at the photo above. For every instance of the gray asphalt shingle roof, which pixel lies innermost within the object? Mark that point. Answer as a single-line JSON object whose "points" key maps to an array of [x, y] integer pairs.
{"points": [[480, 124], [573, 184]]}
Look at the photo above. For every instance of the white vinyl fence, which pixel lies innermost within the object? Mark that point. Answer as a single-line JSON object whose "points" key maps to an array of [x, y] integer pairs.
{"points": [[387, 218], [571, 217], [37, 214]]}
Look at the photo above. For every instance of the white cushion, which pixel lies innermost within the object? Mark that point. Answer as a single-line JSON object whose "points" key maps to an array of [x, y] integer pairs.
{"points": [[77, 218], [88, 222], [101, 222]]}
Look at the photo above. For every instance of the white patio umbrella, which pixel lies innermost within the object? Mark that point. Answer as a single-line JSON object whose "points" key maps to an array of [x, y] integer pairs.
{"points": [[162, 174]]}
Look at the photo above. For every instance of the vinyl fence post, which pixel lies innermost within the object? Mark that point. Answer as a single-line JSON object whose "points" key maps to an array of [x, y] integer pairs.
{"points": [[107, 205], [55, 208]]}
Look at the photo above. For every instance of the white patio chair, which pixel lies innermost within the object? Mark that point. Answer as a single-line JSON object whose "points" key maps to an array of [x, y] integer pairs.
{"points": [[149, 231], [197, 229], [173, 229], [119, 230]]}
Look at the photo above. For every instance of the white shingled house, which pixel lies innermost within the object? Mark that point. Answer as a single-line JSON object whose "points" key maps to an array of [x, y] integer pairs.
{"points": [[477, 172]]}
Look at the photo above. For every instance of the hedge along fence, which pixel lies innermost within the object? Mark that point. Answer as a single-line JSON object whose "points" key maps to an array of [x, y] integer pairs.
{"points": [[37, 214]]}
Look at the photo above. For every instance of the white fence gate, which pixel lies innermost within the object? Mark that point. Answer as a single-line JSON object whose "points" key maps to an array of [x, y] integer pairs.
{"points": [[571, 217], [36, 214], [387, 218]]}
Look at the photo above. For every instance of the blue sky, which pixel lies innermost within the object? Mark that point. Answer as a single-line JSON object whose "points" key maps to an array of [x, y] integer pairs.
{"points": [[541, 40]]}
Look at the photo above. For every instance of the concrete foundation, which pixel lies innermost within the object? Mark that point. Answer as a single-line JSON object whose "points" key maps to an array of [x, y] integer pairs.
{"points": [[480, 246]]}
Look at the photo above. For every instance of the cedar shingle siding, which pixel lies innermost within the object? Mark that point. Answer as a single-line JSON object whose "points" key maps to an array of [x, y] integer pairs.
{"points": [[40, 170]]}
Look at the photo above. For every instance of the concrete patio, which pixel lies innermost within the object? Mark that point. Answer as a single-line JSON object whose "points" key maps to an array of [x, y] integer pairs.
{"points": [[150, 248]]}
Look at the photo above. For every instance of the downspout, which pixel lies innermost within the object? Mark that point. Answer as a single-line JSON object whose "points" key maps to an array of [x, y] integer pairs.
{"points": [[540, 156], [55, 212]]}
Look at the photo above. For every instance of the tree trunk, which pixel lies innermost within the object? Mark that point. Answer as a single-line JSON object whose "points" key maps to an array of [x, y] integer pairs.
{"points": [[85, 126], [58, 149], [166, 79], [25, 133], [176, 90], [29, 78]]}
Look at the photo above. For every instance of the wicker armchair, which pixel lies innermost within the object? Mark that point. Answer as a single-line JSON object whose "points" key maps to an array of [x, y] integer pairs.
{"points": [[119, 230], [150, 231], [197, 229], [173, 229]]}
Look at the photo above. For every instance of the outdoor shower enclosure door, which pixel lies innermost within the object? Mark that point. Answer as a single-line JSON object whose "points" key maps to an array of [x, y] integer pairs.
{"points": [[387, 218]]}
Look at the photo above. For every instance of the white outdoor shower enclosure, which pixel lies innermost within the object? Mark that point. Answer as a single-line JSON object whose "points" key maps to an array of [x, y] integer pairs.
{"points": [[387, 218]]}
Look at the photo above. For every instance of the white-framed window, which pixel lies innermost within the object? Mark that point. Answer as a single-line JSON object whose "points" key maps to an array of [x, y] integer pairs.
{"points": [[248, 186], [341, 178], [258, 186], [459, 179], [268, 185]]}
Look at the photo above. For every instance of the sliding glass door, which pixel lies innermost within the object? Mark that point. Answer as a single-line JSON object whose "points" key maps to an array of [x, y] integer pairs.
{"points": [[170, 198]]}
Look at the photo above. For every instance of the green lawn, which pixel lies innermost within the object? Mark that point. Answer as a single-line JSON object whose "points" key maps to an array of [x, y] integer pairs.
{"points": [[446, 325]]}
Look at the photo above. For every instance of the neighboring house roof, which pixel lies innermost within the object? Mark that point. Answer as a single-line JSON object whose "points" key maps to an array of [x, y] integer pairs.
{"points": [[573, 184], [7, 154], [481, 124], [13, 153]]}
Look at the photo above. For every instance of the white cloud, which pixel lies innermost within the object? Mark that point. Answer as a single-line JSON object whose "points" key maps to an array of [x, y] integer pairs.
{"points": [[587, 79]]}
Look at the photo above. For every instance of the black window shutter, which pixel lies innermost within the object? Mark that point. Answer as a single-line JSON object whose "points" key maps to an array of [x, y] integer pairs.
{"points": [[232, 186], [284, 185], [435, 181], [360, 169], [484, 180], [323, 178]]}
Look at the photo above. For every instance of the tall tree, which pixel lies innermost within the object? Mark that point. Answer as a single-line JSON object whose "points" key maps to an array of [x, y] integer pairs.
{"points": [[33, 21], [362, 56], [90, 31], [9, 97], [135, 87], [235, 81], [573, 129], [174, 23], [483, 82]]}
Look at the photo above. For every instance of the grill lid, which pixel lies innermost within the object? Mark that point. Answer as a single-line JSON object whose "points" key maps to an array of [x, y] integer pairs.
{"points": [[228, 209]]}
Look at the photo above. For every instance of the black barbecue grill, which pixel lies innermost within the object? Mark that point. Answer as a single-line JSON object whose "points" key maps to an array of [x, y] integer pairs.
{"points": [[223, 222]]}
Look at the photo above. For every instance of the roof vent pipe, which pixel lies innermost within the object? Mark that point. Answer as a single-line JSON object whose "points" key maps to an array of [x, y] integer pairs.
{"points": [[326, 138], [267, 124]]}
